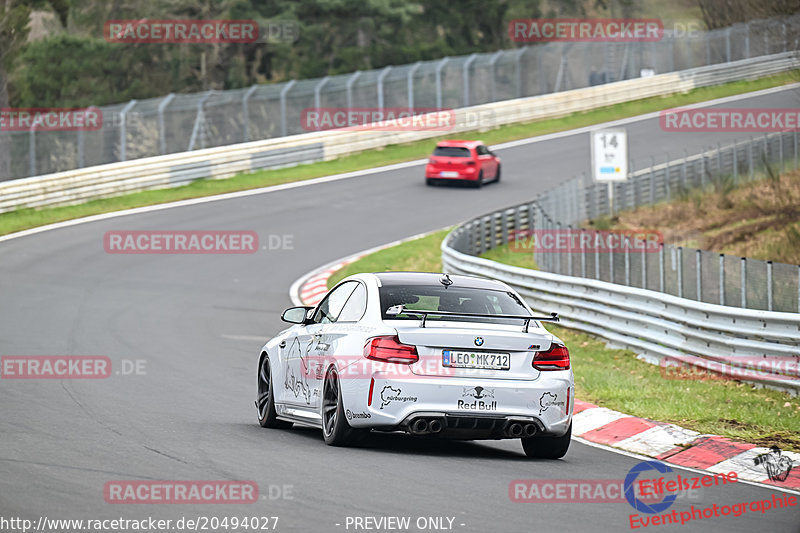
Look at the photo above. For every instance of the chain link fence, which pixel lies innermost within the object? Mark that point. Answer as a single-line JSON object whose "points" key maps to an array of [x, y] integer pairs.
{"points": [[700, 275], [183, 122]]}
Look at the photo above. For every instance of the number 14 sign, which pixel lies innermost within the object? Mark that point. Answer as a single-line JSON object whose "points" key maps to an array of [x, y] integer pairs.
{"points": [[609, 155]]}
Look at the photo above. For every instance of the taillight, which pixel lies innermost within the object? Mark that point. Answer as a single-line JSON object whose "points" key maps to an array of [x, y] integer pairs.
{"points": [[556, 358], [432, 161], [389, 349]]}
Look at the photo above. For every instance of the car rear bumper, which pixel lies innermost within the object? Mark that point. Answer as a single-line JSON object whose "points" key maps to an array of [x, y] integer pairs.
{"points": [[466, 407], [462, 175]]}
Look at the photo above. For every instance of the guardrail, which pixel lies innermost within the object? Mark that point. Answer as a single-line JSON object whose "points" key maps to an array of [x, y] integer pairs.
{"points": [[86, 184], [756, 346]]}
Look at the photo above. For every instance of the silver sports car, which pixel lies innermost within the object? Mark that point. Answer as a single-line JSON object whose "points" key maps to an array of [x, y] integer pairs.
{"points": [[429, 354]]}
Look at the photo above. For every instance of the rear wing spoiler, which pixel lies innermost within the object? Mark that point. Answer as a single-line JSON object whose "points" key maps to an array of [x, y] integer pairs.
{"points": [[400, 310]]}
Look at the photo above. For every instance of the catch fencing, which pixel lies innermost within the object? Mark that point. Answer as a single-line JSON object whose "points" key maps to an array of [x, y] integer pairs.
{"points": [[184, 122]]}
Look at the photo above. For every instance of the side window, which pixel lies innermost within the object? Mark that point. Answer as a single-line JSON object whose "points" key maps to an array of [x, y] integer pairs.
{"points": [[481, 149], [355, 307], [331, 306]]}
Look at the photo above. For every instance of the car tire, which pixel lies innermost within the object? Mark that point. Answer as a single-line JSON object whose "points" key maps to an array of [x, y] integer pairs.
{"points": [[547, 447], [335, 429], [497, 174], [265, 402], [429, 182], [479, 182]]}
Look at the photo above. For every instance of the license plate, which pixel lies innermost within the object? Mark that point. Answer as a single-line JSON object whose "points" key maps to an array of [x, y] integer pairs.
{"points": [[481, 360], [448, 174]]}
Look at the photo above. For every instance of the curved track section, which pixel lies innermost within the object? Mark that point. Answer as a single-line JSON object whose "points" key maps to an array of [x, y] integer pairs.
{"points": [[197, 322]]}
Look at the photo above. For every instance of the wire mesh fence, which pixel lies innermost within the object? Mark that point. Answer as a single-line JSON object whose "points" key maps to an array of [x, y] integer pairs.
{"points": [[181, 122]]}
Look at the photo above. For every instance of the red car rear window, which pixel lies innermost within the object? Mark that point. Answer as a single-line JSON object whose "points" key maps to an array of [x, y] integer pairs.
{"points": [[451, 151]]}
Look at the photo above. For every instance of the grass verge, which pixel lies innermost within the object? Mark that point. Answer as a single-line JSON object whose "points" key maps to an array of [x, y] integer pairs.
{"points": [[22, 219], [758, 219], [616, 379]]}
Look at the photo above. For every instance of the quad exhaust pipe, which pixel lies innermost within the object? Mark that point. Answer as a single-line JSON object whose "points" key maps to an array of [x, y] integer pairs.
{"points": [[425, 426], [517, 430]]}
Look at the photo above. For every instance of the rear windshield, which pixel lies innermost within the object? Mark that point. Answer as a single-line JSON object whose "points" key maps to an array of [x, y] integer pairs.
{"points": [[453, 299], [451, 151]]}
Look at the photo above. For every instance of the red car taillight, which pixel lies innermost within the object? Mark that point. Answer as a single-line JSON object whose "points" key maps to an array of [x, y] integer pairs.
{"points": [[389, 349], [556, 358]]}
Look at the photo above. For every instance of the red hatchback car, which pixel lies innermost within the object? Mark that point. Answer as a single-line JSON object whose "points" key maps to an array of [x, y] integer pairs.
{"points": [[469, 161]]}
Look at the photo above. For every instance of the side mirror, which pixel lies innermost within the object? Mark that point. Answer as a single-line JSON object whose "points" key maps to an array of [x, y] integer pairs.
{"points": [[296, 315]]}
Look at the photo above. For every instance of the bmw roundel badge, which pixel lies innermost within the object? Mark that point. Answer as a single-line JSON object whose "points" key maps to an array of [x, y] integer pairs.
{"points": [[478, 341]]}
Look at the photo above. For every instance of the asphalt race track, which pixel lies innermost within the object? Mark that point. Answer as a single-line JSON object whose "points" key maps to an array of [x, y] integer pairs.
{"points": [[197, 323]]}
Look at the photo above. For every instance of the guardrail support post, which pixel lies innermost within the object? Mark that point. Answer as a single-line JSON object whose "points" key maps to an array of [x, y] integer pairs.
{"points": [[284, 91], [32, 149], [611, 265], [735, 164], [769, 286], [162, 130], [728, 45], [596, 256], [627, 263], [349, 88], [439, 68], [123, 141], [661, 268], [698, 274], [680, 271], [558, 252], [721, 279], [199, 120], [561, 68], [583, 255], [518, 60], [467, 64], [381, 77], [644, 266], [747, 40], [493, 85], [410, 85], [652, 181], [318, 92], [744, 281]]}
